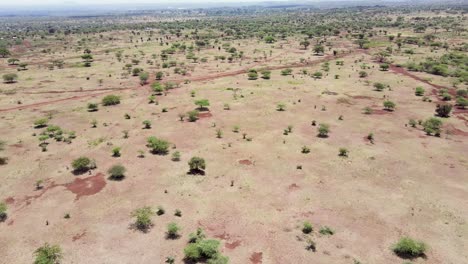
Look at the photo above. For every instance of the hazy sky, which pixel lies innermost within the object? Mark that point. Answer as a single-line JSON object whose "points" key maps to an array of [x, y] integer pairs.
{"points": [[104, 2]]}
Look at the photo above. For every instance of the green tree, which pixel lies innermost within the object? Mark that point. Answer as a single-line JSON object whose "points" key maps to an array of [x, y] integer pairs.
{"points": [[319, 49], [202, 104], [10, 77], [197, 165], [81, 164], [143, 77], [443, 110], [158, 146], [4, 52]]}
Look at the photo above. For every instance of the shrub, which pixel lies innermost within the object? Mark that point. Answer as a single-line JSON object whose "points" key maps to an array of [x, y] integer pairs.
{"points": [[362, 74], [325, 230], [173, 230], [197, 165], [266, 74], [462, 102], [42, 122], [281, 107], [143, 218], [48, 254], [368, 110], [158, 146], [409, 248], [143, 77], [157, 88], [116, 152], [432, 126], [307, 227], [147, 124], [443, 110], [317, 75], [384, 66], [81, 164], [219, 133], [10, 77], [379, 86], [343, 152], [252, 75], [311, 245], [419, 91], [389, 105], [462, 92], [196, 237], [111, 100], [116, 172], [178, 213], [446, 97], [92, 107], [323, 130], [176, 156], [192, 116], [160, 210], [3, 213], [305, 150]]}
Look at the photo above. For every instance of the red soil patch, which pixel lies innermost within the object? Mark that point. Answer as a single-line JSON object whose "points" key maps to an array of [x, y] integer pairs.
{"points": [[87, 186], [256, 257], [245, 162], [234, 244], [17, 145], [204, 115], [223, 236], [11, 222], [78, 236], [293, 187], [9, 200], [455, 131], [362, 97], [380, 112]]}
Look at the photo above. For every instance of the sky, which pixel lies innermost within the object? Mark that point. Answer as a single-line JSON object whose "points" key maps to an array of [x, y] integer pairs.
{"points": [[106, 2]]}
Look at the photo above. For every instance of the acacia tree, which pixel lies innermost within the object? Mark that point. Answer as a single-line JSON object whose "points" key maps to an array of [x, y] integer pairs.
{"points": [[197, 165], [202, 104]]}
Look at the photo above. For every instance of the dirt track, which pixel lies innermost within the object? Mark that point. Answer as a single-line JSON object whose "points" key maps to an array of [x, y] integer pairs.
{"points": [[179, 80]]}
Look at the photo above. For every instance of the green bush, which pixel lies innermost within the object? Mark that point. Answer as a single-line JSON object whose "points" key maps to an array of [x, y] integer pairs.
{"points": [[81, 164], [3, 213], [42, 122], [48, 254], [323, 130], [197, 165], [409, 248], [307, 227], [172, 230], [419, 91], [443, 110], [158, 146], [111, 100], [325, 230], [143, 218], [192, 116], [432, 125], [116, 172]]}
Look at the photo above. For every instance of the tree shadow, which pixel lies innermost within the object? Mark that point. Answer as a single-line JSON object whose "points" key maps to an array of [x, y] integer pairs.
{"points": [[196, 172]]}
